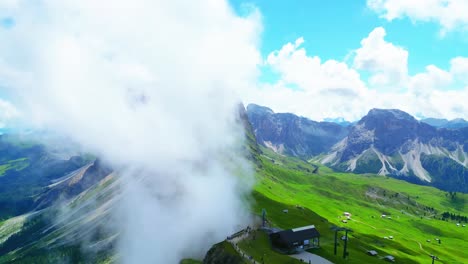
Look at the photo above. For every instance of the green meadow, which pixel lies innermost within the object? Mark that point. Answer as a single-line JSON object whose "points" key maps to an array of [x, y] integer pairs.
{"points": [[411, 230]]}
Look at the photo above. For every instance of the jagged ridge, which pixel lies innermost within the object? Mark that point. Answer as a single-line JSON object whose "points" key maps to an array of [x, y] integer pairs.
{"points": [[392, 142]]}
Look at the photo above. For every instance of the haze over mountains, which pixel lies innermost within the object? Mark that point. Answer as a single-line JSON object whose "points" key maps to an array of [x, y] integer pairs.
{"points": [[385, 142], [65, 208], [54, 209]]}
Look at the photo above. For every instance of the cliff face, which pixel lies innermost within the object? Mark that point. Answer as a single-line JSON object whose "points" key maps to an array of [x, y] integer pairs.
{"points": [[292, 135]]}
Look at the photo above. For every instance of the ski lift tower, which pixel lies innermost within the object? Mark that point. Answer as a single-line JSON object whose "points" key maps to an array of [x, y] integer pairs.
{"points": [[337, 229]]}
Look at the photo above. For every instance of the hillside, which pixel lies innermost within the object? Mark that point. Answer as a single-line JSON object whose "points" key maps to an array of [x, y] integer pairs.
{"points": [[50, 200], [55, 233], [414, 214], [26, 168]]}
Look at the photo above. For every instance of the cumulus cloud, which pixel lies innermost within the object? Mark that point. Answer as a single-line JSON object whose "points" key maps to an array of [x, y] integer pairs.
{"points": [[423, 84], [305, 81], [459, 68], [387, 62], [333, 102], [333, 89], [294, 66], [151, 87], [450, 14]]}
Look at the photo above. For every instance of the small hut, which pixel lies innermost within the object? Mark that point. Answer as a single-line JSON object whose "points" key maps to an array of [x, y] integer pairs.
{"points": [[296, 239]]}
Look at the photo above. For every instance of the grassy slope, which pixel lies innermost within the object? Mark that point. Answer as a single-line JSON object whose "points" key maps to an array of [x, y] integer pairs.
{"points": [[33, 239], [260, 247], [26, 167], [222, 252], [286, 182], [17, 164]]}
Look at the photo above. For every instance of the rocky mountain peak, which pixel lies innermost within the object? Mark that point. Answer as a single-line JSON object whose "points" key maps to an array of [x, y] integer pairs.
{"points": [[385, 129], [253, 108], [290, 134], [392, 142], [389, 114]]}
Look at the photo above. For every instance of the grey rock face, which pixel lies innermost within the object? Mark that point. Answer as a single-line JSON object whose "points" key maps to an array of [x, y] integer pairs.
{"points": [[293, 135], [392, 142]]}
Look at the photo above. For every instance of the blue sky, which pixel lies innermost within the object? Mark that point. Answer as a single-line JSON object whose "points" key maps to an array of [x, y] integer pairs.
{"points": [[333, 28], [7, 22]]}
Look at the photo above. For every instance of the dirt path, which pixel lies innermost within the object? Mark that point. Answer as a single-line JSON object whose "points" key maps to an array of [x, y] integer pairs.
{"points": [[308, 257], [391, 230], [234, 242], [421, 247], [364, 223]]}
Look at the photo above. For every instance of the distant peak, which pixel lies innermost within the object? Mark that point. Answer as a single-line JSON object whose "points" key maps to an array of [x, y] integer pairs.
{"points": [[339, 120], [259, 108], [438, 122], [395, 113]]}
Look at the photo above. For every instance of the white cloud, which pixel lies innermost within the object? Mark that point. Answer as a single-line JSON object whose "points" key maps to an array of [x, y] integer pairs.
{"points": [[8, 112], [296, 67], [150, 86], [459, 68], [332, 102], [386, 61], [423, 84], [8, 4], [450, 14], [334, 81], [333, 89]]}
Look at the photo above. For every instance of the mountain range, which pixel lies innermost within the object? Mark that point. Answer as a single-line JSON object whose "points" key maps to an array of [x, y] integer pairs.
{"points": [[444, 123], [385, 142]]}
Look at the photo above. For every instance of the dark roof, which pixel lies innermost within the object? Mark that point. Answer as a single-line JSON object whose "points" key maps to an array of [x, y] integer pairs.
{"points": [[297, 234]]}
